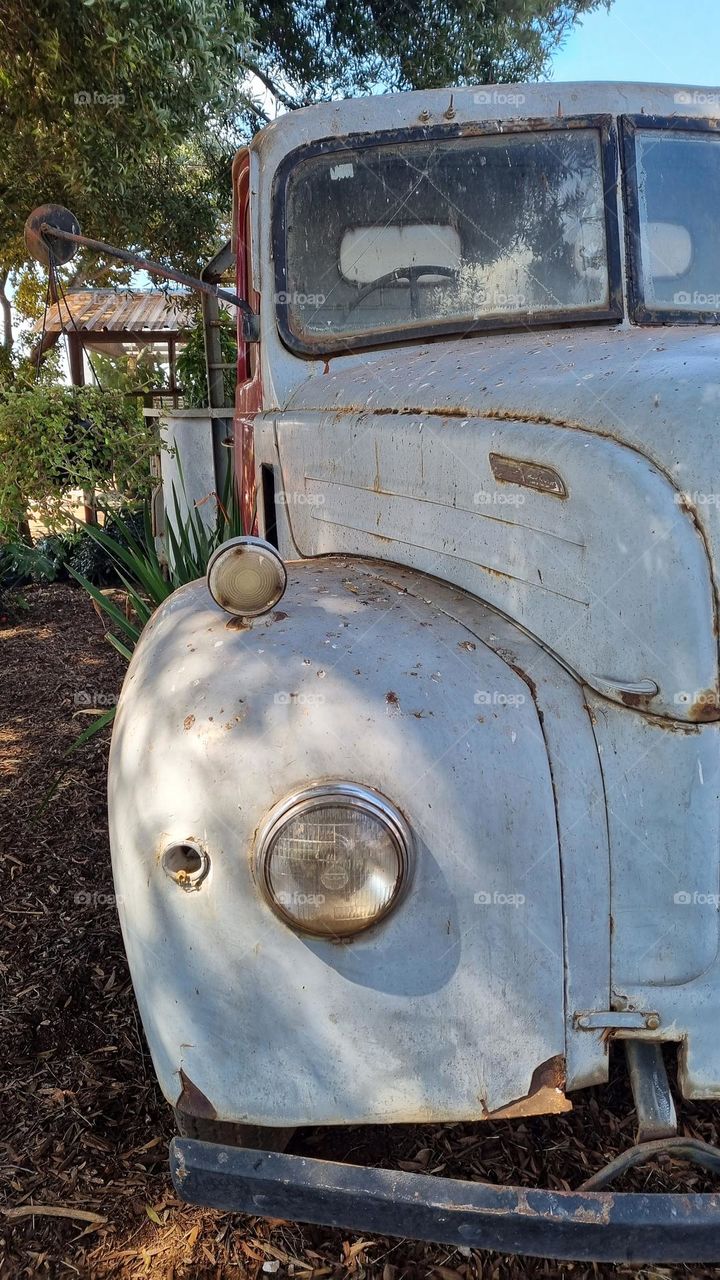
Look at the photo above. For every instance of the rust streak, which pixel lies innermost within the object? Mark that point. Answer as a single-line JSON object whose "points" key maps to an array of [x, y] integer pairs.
{"points": [[639, 701], [192, 1101], [705, 707], [527, 474], [546, 1095]]}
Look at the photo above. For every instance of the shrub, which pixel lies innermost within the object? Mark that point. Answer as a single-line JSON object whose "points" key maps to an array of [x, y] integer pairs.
{"points": [[57, 557], [192, 370], [55, 438]]}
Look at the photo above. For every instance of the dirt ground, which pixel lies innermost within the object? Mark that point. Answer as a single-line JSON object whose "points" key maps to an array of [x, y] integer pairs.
{"points": [[83, 1127]]}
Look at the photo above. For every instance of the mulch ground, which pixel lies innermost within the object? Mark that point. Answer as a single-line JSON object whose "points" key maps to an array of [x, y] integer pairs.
{"points": [[83, 1127]]}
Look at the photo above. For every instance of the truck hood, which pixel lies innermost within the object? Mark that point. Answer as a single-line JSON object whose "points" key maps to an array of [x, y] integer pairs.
{"points": [[608, 553], [657, 390]]}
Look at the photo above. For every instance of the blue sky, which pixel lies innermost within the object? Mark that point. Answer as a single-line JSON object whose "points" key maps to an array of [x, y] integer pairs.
{"points": [[671, 41]]}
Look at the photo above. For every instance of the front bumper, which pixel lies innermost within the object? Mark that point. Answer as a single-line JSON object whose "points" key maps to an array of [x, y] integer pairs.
{"points": [[600, 1226]]}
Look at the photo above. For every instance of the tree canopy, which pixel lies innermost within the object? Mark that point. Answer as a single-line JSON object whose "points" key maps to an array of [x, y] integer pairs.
{"points": [[129, 112], [117, 108], [324, 48]]}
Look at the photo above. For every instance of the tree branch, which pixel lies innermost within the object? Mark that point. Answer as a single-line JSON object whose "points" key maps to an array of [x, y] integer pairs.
{"points": [[7, 338], [291, 103]]}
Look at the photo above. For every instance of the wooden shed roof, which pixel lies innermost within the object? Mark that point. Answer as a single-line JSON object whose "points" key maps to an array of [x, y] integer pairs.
{"points": [[107, 311]]}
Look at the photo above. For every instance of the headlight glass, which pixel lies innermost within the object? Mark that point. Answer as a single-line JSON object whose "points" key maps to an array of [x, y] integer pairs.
{"points": [[246, 577], [333, 860]]}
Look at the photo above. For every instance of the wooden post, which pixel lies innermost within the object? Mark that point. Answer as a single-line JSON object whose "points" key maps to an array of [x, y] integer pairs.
{"points": [[172, 371], [77, 365], [77, 377]]}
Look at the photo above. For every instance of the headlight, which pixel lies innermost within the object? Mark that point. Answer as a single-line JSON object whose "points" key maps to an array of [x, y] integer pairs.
{"points": [[246, 576], [334, 859]]}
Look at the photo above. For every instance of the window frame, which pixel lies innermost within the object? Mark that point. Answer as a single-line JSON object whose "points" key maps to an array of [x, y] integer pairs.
{"points": [[629, 126], [326, 344]]}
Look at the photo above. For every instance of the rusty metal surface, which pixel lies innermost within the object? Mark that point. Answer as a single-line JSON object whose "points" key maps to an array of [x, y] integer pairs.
{"points": [[663, 809], [654, 1106], [527, 474], [587, 1224], [419, 487], [192, 1100], [579, 810], [546, 1095], [458, 995]]}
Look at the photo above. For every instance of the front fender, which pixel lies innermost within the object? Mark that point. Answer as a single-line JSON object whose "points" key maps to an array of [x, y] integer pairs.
{"points": [[453, 1006]]}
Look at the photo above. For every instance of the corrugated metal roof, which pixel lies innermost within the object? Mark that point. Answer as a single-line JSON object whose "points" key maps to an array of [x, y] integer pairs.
{"points": [[107, 311]]}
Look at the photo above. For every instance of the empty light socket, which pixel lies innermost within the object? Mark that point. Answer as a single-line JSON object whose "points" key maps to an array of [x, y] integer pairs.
{"points": [[186, 864]]}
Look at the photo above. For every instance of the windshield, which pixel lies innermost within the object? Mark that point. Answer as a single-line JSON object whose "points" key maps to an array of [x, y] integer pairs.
{"points": [[678, 195], [446, 234]]}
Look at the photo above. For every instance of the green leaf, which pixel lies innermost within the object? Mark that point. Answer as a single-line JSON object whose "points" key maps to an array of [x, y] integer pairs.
{"points": [[135, 560], [118, 644], [108, 606], [102, 721]]}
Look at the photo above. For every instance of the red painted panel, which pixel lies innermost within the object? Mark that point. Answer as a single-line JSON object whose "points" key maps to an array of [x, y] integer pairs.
{"points": [[248, 392]]}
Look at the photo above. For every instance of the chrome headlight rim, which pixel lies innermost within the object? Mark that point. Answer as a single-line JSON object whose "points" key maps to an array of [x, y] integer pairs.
{"points": [[248, 541], [319, 795]]}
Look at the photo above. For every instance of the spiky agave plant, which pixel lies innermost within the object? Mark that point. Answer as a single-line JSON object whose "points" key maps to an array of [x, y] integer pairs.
{"points": [[145, 580]]}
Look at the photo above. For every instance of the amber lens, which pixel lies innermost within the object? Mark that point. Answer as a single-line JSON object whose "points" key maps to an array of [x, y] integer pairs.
{"points": [[246, 578]]}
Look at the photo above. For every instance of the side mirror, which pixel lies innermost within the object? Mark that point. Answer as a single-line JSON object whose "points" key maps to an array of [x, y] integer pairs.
{"points": [[45, 247], [52, 235]]}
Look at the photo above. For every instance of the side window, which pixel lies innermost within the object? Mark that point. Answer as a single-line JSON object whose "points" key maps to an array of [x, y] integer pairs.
{"points": [[672, 177]]}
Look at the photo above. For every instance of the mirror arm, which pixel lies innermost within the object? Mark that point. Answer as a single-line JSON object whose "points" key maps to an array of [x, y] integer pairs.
{"points": [[250, 319]]}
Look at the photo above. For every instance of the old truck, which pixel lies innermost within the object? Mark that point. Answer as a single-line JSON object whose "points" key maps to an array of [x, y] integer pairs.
{"points": [[415, 801]]}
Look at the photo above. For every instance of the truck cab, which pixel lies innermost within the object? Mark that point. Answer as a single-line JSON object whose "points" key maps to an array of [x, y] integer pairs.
{"points": [[415, 801]]}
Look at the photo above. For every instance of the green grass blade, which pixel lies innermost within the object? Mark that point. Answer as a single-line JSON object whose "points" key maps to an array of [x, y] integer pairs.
{"points": [[100, 723], [108, 606], [139, 603], [121, 648]]}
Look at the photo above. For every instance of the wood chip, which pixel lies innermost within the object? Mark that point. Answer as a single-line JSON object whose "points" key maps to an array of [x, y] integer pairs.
{"points": [[53, 1211]]}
